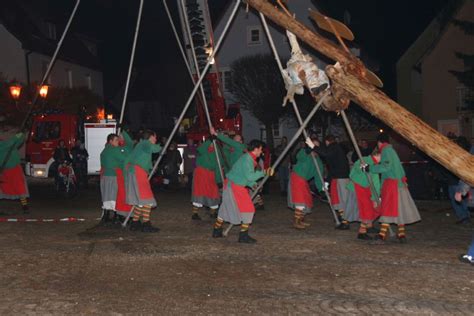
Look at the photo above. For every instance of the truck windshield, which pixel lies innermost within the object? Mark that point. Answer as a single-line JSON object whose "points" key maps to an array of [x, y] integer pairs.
{"points": [[47, 131]]}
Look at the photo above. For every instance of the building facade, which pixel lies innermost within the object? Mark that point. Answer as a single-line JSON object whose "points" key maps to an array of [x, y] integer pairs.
{"points": [[246, 37], [425, 84], [29, 36]]}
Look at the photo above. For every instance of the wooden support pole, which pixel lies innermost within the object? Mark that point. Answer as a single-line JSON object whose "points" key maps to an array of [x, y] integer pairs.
{"points": [[426, 138]]}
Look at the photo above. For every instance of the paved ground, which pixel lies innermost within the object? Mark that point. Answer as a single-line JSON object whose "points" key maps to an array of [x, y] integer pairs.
{"points": [[77, 268]]}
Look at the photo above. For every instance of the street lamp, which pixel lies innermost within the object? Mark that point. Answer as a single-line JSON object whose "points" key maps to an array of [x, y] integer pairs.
{"points": [[43, 92], [15, 91]]}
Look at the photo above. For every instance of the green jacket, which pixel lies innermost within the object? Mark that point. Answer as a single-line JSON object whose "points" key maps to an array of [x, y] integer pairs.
{"points": [[114, 157], [243, 172], [232, 150], [358, 176], [206, 158], [306, 169], [141, 155], [14, 142], [390, 166]]}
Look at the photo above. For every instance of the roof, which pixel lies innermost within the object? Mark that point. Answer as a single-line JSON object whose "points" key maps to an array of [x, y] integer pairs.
{"points": [[24, 20], [430, 37]]}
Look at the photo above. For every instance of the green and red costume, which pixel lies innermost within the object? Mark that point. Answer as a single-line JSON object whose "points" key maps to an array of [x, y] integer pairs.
{"points": [[360, 202], [397, 205], [13, 184], [137, 168], [299, 193], [237, 206], [112, 159], [205, 191], [233, 150]]}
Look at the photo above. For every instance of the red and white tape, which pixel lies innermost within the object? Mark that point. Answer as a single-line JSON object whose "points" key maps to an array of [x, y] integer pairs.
{"points": [[41, 220]]}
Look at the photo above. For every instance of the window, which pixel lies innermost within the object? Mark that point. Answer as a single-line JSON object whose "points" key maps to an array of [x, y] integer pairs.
{"points": [[69, 78], [89, 81], [276, 129], [51, 30], [464, 94], [254, 35], [47, 131], [226, 77]]}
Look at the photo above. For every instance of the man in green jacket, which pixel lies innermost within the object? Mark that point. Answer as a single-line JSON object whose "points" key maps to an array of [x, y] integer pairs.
{"points": [[138, 165], [362, 201], [233, 148], [397, 206], [205, 191], [112, 160], [13, 184], [237, 206], [299, 193]]}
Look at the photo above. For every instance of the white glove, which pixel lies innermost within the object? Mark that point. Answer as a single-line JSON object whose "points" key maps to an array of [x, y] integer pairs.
{"points": [[309, 142]]}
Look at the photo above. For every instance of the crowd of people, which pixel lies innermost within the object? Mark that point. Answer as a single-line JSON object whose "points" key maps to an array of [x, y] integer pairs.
{"points": [[223, 175]]}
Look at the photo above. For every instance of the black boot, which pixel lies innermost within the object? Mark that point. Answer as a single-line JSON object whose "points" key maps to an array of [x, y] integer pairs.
{"points": [[196, 217], [343, 226], [25, 209], [245, 238], [217, 233], [364, 237], [147, 228], [135, 226], [373, 230], [105, 218]]}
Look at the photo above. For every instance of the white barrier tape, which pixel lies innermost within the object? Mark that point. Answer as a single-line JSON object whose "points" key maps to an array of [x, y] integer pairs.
{"points": [[42, 220]]}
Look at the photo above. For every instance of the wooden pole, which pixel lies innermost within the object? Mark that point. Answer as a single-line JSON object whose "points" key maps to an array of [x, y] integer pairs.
{"points": [[426, 138]]}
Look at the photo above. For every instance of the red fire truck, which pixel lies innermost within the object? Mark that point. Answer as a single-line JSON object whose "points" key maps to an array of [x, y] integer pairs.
{"points": [[48, 129]]}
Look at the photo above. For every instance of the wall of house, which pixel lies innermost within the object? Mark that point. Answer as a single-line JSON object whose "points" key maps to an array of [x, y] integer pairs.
{"points": [[409, 79], [440, 87], [66, 74], [12, 57], [238, 44]]}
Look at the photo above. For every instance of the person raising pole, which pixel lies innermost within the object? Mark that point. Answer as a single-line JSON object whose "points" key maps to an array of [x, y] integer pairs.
{"points": [[237, 206], [13, 184], [138, 190], [205, 191]]}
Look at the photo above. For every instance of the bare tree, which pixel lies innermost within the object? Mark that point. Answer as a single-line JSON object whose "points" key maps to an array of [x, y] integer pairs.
{"points": [[258, 86]]}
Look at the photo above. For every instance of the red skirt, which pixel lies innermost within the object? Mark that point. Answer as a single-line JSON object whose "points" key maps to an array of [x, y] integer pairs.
{"points": [[389, 195], [13, 183], [367, 211], [242, 198], [334, 192], [143, 184], [204, 184], [120, 204], [300, 194]]}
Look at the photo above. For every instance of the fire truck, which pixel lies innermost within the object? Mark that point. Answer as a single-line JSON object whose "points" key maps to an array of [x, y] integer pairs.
{"points": [[48, 129], [223, 117]]}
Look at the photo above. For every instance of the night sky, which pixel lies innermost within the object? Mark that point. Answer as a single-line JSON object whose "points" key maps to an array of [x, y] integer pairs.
{"points": [[384, 28]]}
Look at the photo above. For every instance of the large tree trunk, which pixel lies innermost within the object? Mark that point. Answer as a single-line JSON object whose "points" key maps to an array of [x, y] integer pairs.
{"points": [[375, 101]]}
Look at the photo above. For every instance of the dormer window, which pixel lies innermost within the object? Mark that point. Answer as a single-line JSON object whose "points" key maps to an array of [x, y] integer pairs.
{"points": [[51, 30]]}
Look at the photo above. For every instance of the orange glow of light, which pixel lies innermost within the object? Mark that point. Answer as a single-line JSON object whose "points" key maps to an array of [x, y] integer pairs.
{"points": [[15, 91], [100, 114], [44, 91]]}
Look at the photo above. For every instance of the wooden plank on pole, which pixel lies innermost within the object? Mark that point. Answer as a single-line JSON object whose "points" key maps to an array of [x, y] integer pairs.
{"points": [[437, 146]]}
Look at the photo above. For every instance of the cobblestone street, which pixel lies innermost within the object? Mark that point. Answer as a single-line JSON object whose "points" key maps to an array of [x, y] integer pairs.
{"points": [[49, 268]]}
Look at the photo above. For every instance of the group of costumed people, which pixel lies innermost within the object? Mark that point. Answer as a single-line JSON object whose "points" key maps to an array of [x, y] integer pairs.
{"points": [[374, 189]]}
